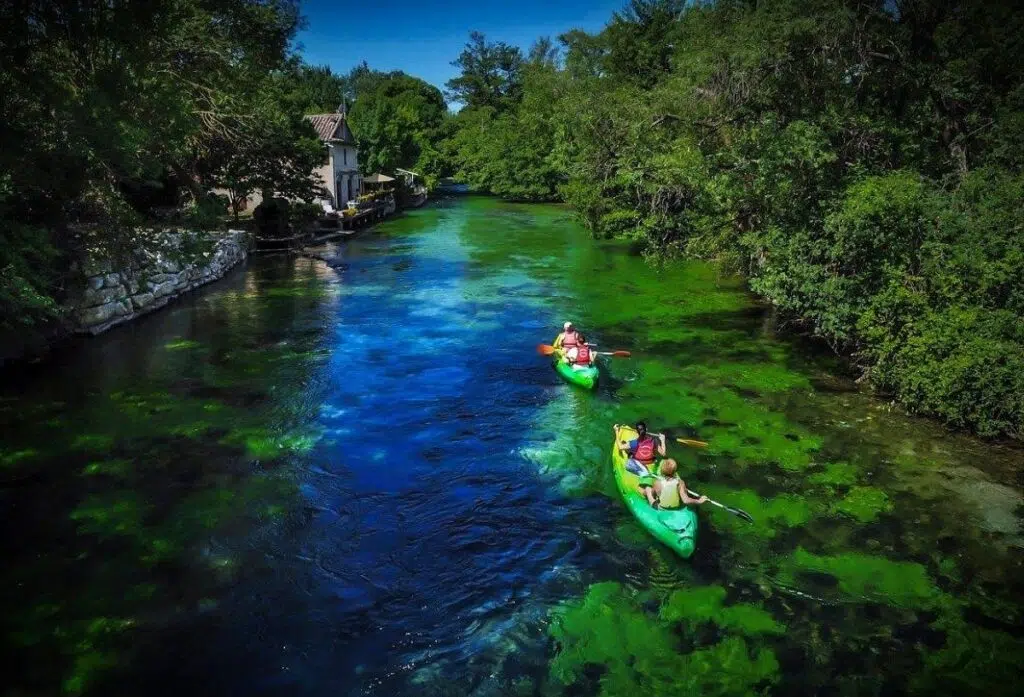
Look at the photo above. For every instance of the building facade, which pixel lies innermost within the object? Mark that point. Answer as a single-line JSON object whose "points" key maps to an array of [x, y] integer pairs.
{"points": [[342, 180]]}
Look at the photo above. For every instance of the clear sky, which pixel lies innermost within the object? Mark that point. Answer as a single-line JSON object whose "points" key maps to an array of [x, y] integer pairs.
{"points": [[423, 37]]}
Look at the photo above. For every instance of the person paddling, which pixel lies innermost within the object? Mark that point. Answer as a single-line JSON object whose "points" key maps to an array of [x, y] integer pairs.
{"points": [[642, 450], [669, 491], [568, 339], [583, 357]]}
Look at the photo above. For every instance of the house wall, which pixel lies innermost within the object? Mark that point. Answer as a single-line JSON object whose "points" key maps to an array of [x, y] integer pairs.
{"points": [[344, 161]]}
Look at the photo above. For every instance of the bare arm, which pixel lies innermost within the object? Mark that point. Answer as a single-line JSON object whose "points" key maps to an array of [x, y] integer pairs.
{"points": [[661, 444], [685, 497]]}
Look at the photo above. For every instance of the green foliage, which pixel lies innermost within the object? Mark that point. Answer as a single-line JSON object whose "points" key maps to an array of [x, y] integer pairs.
{"points": [[858, 164], [398, 119], [490, 74]]}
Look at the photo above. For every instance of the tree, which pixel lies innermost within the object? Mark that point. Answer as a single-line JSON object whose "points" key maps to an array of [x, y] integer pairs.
{"points": [[397, 119], [490, 74]]}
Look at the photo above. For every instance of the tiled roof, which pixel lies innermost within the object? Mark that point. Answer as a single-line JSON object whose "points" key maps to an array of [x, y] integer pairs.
{"points": [[332, 128]]}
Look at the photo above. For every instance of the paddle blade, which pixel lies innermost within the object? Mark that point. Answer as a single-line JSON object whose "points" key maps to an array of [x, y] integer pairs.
{"points": [[692, 443], [740, 513], [545, 349], [621, 354]]}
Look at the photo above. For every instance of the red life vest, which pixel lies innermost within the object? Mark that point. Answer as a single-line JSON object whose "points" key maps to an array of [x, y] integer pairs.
{"points": [[644, 451], [569, 340], [583, 355]]}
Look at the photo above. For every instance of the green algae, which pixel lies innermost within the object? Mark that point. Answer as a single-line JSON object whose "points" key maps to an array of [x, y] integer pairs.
{"points": [[836, 474], [763, 378], [771, 515], [869, 578], [95, 442], [971, 659], [695, 606], [17, 457], [182, 345], [109, 468], [263, 444], [640, 654], [863, 504]]}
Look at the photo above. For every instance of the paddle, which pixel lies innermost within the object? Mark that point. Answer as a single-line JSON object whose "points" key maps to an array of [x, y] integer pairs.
{"points": [[548, 350], [738, 512], [685, 441]]}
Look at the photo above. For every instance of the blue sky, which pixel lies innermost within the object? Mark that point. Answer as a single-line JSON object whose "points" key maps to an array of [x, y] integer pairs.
{"points": [[423, 37]]}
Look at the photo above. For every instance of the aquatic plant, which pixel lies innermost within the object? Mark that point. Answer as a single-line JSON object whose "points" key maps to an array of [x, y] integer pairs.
{"points": [[181, 345], [868, 578], [863, 503], [703, 604], [639, 654], [971, 659], [835, 474]]}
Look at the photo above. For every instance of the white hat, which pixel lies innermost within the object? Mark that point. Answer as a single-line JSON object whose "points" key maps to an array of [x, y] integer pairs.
{"points": [[566, 325]]}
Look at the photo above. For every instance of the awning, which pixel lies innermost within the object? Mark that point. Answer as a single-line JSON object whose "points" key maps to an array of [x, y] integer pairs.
{"points": [[378, 179]]}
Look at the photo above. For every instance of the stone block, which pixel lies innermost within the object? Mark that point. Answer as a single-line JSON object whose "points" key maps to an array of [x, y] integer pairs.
{"points": [[165, 288], [142, 301], [95, 283], [102, 314], [103, 296], [112, 280]]}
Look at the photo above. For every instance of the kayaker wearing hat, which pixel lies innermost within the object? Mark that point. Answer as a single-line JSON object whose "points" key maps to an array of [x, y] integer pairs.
{"points": [[567, 342]]}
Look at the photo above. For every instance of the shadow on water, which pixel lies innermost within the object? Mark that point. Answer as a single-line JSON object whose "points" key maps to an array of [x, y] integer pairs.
{"points": [[364, 480]]}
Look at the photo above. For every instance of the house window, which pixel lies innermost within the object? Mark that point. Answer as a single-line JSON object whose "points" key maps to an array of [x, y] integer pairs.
{"points": [[344, 156]]}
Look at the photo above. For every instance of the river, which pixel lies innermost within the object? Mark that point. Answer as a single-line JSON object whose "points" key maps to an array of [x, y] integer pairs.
{"points": [[361, 479]]}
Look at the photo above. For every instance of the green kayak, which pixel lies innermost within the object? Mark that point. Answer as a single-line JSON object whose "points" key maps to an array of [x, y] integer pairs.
{"points": [[584, 377], [676, 528]]}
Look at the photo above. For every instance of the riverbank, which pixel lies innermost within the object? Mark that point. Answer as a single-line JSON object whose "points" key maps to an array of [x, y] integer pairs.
{"points": [[161, 267]]}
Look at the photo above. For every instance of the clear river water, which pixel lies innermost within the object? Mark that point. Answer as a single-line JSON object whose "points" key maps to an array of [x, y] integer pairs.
{"points": [[358, 477]]}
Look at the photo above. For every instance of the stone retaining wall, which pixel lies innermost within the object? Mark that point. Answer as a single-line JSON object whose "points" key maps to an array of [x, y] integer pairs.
{"points": [[156, 276]]}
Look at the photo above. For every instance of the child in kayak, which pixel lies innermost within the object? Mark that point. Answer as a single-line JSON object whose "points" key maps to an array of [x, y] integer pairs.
{"points": [[668, 491], [642, 451], [580, 357]]}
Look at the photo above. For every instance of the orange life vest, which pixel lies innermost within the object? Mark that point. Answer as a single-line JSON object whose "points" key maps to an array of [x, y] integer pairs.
{"points": [[583, 355], [644, 450]]}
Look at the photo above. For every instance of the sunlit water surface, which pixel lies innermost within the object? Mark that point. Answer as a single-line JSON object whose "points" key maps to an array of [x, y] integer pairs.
{"points": [[360, 479]]}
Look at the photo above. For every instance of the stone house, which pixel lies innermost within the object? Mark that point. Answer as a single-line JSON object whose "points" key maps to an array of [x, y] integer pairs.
{"points": [[341, 176]]}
